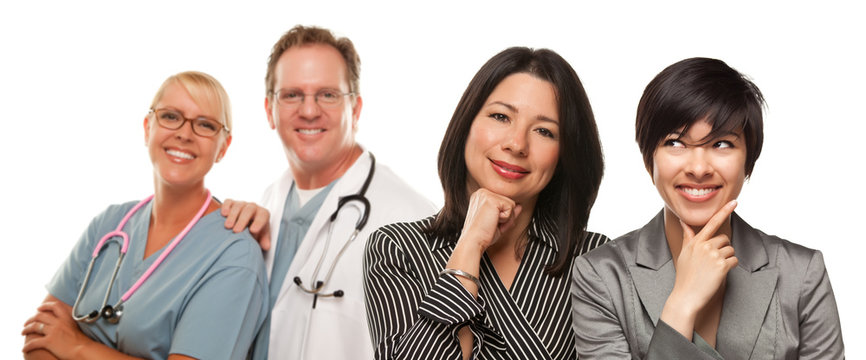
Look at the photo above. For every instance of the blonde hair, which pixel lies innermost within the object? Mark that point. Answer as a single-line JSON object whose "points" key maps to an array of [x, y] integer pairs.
{"points": [[205, 91]]}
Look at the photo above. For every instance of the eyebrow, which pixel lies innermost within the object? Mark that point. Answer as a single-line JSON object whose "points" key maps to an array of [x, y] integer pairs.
{"points": [[172, 108], [514, 109]]}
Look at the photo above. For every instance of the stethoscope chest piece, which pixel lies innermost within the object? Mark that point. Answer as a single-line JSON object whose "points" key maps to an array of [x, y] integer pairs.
{"points": [[112, 314]]}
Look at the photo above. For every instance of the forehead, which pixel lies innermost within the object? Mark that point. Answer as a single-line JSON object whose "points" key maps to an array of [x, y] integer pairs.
{"points": [[189, 99], [311, 66], [702, 130], [526, 93]]}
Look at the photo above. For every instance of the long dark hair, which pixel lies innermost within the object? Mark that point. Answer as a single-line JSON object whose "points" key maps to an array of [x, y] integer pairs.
{"points": [[565, 201]]}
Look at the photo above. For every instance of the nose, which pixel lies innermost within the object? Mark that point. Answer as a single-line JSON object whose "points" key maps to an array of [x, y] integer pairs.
{"points": [[184, 132], [308, 108], [515, 141], [699, 165]]}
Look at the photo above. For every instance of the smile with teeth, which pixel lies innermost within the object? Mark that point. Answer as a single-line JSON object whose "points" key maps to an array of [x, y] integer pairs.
{"points": [[697, 192], [180, 154], [310, 131]]}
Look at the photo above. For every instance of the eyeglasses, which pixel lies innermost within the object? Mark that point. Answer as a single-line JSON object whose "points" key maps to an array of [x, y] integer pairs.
{"points": [[201, 126], [326, 98]]}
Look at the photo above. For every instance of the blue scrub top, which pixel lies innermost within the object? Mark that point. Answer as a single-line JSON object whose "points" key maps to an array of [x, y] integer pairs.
{"points": [[206, 300]]}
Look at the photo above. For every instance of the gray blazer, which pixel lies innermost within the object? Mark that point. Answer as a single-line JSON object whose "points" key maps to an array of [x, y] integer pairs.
{"points": [[778, 302]]}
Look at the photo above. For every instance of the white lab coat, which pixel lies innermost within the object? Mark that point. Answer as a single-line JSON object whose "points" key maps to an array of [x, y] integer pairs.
{"points": [[337, 328]]}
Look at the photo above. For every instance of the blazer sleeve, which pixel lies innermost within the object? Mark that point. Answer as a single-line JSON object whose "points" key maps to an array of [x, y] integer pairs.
{"points": [[820, 330], [405, 322], [599, 331]]}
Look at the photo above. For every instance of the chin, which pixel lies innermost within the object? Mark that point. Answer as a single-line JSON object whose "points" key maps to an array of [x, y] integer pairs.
{"points": [[694, 217]]}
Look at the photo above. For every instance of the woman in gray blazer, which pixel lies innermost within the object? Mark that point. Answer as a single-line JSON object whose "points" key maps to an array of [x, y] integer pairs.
{"points": [[697, 282]]}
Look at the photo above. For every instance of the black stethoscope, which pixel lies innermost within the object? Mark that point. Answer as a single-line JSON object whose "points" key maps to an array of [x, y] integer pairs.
{"points": [[316, 290]]}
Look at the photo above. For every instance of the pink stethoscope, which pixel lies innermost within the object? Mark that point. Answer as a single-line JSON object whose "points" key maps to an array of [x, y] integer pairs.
{"points": [[113, 313]]}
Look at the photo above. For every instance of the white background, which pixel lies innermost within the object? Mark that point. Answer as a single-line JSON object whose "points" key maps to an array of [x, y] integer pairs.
{"points": [[76, 79]]}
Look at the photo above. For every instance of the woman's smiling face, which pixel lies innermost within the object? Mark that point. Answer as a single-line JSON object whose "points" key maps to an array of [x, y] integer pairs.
{"points": [[513, 144], [696, 175]]}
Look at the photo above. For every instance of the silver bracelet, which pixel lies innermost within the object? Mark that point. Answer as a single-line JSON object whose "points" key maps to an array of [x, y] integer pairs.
{"points": [[457, 272]]}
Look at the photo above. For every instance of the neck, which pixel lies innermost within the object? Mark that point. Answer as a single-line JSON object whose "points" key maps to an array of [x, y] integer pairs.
{"points": [[174, 205], [307, 178], [674, 232]]}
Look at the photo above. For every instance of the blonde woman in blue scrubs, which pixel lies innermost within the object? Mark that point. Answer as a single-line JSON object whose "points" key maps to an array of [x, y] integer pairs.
{"points": [[206, 297]]}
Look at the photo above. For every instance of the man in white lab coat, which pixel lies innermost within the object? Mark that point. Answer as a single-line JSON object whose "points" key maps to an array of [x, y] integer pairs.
{"points": [[313, 102]]}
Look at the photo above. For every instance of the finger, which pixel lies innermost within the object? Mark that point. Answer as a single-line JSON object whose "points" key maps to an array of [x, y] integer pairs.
{"points": [[30, 320], [517, 210], [688, 233], [726, 252], [35, 327], [44, 317], [226, 207], [731, 262], [232, 216], [245, 217], [508, 224], [265, 241], [261, 217], [34, 342], [717, 220], [720, 241]]}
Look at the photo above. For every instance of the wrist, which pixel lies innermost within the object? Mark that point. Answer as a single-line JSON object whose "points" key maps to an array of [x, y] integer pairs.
{"points": [[470, 246], [680, 314]]}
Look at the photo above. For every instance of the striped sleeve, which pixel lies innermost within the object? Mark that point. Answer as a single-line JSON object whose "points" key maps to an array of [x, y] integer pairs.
{"points": [[394, 296]]}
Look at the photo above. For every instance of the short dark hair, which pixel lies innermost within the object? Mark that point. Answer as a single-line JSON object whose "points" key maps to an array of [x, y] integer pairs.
{"points": [[568, 197], [700, 89], [307, 35]]}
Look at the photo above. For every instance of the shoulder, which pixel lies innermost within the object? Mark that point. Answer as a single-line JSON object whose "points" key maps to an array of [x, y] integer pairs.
{"points": [[110, 217], [593, 240], [281, 184], [607, 249], [227, 248], [404, 231], [790, 257], [389, 188]]}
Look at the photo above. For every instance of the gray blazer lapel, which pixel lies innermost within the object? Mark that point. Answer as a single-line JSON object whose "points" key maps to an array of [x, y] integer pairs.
{"points": [[653, 271], [750, 288]]}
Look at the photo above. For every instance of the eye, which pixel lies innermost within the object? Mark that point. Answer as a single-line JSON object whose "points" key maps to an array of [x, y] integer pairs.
{"points": [[290, 95], [499, 117], [206, 124], [328, 94], [545, 132], [169, 116], [674, 143], [724, 144]]}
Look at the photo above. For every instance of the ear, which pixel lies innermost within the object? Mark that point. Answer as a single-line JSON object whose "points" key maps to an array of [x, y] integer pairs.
{"points": [[225, 147], [356, 112], [146, 129], [270, 113]]}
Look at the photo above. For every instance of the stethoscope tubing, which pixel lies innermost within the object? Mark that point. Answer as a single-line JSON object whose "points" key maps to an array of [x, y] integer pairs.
{"points": [[112, 236], [318, 286]]}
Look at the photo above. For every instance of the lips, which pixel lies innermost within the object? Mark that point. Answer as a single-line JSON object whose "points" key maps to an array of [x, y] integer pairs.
{"points": [[508, 171], [310, 131], [698, 193], [180, 154]]}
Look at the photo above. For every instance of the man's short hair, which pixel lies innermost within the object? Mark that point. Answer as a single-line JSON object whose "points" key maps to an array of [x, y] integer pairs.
{"points": [[307, 35]]}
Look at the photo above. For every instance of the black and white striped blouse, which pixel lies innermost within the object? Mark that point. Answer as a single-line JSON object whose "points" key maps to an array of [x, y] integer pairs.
{"points": [[414, 313]]}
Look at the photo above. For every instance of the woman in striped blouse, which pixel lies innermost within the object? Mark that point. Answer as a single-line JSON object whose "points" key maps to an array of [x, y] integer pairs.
{"points": [[487, 277]]}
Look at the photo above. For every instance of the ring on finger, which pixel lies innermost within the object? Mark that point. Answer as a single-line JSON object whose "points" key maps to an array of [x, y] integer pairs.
{"points": [[42, 328]]}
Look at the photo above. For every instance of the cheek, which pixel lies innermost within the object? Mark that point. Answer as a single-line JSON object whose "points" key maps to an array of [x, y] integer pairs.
{"points": [[550, 158]]}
